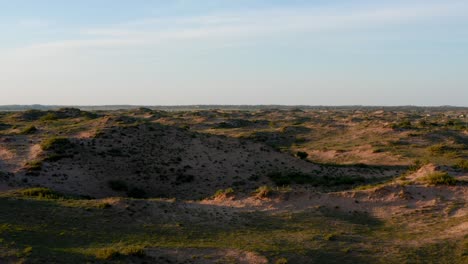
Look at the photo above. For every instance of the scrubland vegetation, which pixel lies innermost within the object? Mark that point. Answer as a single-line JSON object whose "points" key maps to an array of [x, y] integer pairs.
{"points": [[324, 185]]}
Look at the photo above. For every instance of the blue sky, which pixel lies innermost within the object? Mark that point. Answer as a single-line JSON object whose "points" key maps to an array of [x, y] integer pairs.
{"points": [[234, 52]]}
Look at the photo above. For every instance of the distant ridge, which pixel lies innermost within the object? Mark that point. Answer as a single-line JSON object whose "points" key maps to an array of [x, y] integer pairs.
{"points": [[229, 107]]}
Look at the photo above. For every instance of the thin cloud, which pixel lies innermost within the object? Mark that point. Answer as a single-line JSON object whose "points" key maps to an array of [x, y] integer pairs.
{"points": [[34, 23], [248, 25]]}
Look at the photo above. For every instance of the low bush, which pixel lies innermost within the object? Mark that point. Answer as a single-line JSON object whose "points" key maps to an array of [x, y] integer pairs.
{"points": [[103, 205], [116, 251], [49, 117], [440, 178], [286, 178], [438, 149], [263, 191], [184, 178], [56, 157], [417, 164], [281, 261], [462, 164], [224, 192], [136, 192], [118, 185], [28, 130], [405, 124], [34, 165], [302, 155], [40, 192], [57, 144]]}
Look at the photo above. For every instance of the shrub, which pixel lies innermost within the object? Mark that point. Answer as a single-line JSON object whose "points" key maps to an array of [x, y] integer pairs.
{"points": [[34, 165], [280, 178], [184, 178], [40, 192], [136, 192], [405, 124], [438, 149], [417, 164], [302, 155], [49, 117], [28, 130], [106, 253], [30, 115], [55, 157], [330, 237], [263, 191], [253, 178], [118, 185], [115, 152], [224, 192], [462, 164], [118, 250], [57, 144], [27, 250], [103, 205], [281, 261], [440, 178], [286, 178]]}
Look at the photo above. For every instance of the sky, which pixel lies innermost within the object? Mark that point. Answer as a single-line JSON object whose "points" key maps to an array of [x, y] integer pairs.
{"points": [[181, 52]]}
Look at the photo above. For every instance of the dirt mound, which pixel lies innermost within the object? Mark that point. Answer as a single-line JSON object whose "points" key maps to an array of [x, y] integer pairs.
{"points": [[152, 160]]}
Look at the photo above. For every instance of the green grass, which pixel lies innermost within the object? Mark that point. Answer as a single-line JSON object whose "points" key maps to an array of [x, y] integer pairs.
{"points": [[263, 191], [57, 144], [224, 192], [462, 164], [34, 165], [41, 225], [41, 193], [440, 178], [28, 130], [81, 231]]}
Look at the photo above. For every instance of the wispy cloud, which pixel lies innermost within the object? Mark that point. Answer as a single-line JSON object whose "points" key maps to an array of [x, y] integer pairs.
{"points": [[34, 23], [251, 24], [278, 21]]}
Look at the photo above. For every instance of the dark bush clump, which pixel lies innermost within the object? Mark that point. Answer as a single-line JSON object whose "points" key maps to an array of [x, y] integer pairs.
{"points": [[118, 185], [184, 178], [405, 124], [30, 115], [28, 130], [286, 178], [302, 155], [136, 193], [56, 157], [57, 144], [34, 165], [49, 117]]}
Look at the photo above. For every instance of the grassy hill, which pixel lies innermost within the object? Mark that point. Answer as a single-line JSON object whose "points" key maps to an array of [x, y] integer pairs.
{"points": [[229, 186]]}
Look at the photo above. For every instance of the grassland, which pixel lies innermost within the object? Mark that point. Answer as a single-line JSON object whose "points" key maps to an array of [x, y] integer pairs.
{"points": [[229, 186], [120, 230]]}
